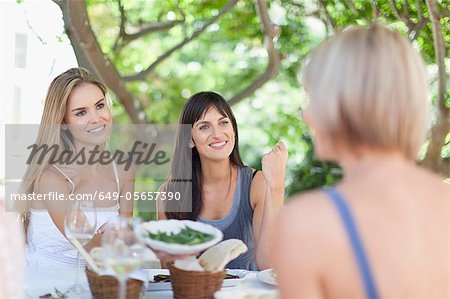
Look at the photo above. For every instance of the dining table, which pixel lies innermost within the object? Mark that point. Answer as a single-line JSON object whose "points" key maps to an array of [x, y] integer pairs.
{"points": [[45, 280]]}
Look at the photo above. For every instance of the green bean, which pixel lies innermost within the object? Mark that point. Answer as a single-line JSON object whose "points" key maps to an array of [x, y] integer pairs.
{"points": [[187, 236]]}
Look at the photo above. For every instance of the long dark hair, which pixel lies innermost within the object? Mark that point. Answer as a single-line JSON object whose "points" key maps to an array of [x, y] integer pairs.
{"points": [[185, 173]]}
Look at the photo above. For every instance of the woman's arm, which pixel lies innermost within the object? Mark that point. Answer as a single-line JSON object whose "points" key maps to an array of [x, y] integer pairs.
{"points": [[54, 182], [301, 249], [267, 196], [160, 215]]}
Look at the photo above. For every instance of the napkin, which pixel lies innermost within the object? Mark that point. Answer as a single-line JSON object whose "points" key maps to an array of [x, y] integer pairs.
{"points": [[218, 256], [215, 258], [189, 264]]}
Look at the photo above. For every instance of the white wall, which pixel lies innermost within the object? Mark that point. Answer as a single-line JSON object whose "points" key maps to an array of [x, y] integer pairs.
{"points": [[48, 53]]}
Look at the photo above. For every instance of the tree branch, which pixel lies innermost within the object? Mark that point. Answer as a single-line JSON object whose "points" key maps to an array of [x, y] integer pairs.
{"points": [[444, 13], [439, 50], [331, 21], [80, 32], [351, 6], [122, 27], [413, 28], [400, 15], [406, 10], [151, 28], [433, 158], [422, 21], [142, 75], [271, 33], [376, 9], [419, 9], [414, 33], [124, 38], [34, 32], [82, 60]]}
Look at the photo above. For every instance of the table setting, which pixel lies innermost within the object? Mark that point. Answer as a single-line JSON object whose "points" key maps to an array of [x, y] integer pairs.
{"points": [[125, 267]]}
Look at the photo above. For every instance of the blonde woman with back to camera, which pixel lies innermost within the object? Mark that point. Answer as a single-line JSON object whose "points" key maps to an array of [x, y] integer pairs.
{"points": [[384, 230]]}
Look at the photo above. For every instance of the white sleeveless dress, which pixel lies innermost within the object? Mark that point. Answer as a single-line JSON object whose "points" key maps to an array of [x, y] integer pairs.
{"points": [[47, 246]]}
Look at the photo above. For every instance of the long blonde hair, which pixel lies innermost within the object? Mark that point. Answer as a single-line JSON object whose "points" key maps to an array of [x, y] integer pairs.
{"points": [[50, 132]]}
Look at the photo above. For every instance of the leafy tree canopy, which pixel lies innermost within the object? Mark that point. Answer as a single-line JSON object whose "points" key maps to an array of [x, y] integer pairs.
{"points": [[162, 52]]}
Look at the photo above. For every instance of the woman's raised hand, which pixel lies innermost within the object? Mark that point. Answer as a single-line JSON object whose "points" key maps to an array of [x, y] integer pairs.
{"points": [[274, 165]]}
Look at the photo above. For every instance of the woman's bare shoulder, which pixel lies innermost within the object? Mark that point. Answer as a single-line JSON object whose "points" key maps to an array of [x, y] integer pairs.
{"points": [[310, 200], [52, 182], [258, 181], [308, 224], [428, 182], [309, 212], [52, 175]]}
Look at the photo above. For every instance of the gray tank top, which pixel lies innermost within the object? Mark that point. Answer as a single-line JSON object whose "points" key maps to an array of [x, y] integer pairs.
{"points": [[238, 223]]}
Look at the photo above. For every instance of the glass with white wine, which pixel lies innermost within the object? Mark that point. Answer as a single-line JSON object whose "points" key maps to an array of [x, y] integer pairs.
{"points": [[123, 251], [79, 226]]}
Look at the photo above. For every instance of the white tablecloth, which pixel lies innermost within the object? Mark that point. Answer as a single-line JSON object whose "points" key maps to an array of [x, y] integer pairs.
{"points": [[40, 281]]}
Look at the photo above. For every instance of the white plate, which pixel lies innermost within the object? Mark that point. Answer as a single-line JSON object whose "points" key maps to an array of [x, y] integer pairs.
{"points": [[266, 276], [174, 226], [244, 294], [165, 286]]}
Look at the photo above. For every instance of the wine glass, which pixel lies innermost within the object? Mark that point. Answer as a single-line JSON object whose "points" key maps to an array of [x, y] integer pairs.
{"points": [[79, 226], [123, 251]]}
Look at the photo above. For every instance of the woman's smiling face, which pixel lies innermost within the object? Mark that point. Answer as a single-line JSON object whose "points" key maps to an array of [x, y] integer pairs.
{"points": [[213, 135], [87, 115]]}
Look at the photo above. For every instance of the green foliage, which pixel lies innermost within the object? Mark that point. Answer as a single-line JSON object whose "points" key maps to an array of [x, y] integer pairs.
{"points": [[273, 115], [313, 173], [230, 54]]}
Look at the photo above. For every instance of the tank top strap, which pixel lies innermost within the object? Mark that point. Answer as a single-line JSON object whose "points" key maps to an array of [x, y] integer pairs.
{"points": [[72, 184], [116, 175], [356, 243], [67, 178]]}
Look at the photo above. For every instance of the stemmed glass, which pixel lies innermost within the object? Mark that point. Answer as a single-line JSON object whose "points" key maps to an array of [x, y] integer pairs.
{"points": [[79, 226], [123, 251]]}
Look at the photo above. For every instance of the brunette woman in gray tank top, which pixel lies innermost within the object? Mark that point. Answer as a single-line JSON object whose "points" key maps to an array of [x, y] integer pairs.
{"points": [[208, 172]]}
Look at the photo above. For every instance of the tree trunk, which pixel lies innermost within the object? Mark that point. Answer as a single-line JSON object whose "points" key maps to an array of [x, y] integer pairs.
{"points": [[433, 159], [90, 56]]}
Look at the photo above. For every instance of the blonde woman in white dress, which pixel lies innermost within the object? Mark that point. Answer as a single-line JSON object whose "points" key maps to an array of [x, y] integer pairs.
{"points": [[76, 101]]}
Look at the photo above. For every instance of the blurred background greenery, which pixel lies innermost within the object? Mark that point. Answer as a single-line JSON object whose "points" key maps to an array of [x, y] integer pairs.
{"points": [[155, 54]]}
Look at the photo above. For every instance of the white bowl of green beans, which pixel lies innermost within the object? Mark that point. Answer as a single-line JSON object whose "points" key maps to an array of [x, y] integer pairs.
{"points": [[178, 237]]}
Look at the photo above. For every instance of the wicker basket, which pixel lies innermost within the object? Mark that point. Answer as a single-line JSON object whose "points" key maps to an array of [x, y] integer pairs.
{"points": [[195, 284], [107, 287]]}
